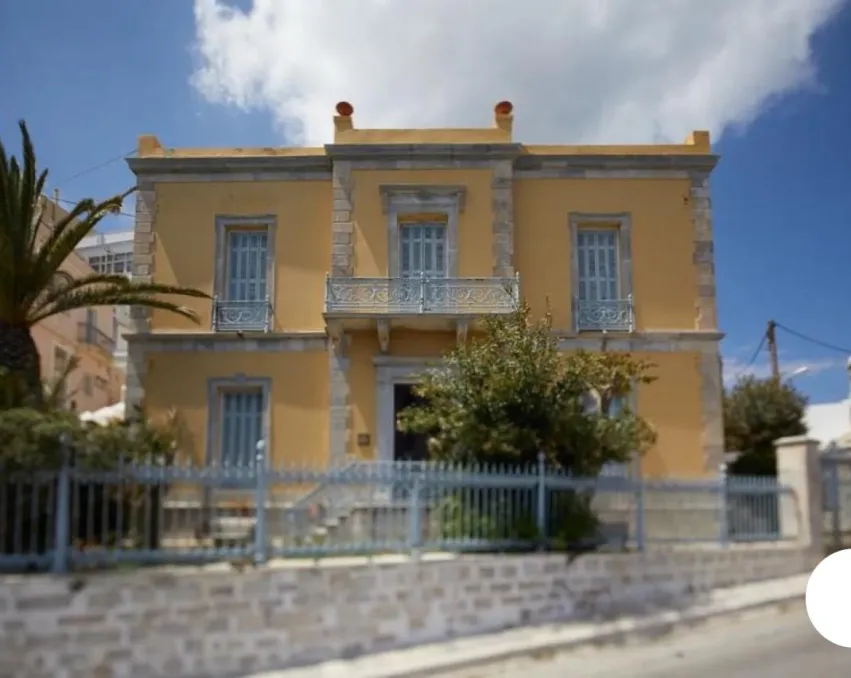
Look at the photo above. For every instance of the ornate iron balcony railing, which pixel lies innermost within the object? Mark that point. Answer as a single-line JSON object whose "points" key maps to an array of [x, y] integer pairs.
{"points": [[611, 315], [241, 316], [93, 336], [437, 296]]}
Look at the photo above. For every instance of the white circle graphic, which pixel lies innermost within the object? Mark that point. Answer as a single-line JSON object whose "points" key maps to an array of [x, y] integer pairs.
{"points": [[829, 598]]}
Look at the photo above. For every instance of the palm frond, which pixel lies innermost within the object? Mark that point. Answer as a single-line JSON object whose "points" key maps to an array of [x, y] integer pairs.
{"points": [[30, 263], [119, 297], [20, 191], [62, 285], [68, 232]]}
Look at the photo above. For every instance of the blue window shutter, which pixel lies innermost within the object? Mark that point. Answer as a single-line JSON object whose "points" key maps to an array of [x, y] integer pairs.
{"points": [[241, 426], [247, 265]]}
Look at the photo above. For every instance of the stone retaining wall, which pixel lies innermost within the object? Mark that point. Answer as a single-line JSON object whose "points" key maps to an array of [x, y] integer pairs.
{"points": [[224, 620]]}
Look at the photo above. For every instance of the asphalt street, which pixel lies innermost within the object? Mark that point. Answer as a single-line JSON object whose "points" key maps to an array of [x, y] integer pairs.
{"points": [[779, 645]]}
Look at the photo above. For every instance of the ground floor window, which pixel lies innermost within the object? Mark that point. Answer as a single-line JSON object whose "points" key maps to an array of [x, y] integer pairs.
{"points": [[240, 425]]}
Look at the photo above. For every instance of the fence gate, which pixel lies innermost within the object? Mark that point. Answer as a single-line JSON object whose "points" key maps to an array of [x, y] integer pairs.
{"points": [[836, 471]]}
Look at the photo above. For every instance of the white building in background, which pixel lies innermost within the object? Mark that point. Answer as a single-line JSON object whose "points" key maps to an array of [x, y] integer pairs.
{"points": [[112, 253], [830, 423]]}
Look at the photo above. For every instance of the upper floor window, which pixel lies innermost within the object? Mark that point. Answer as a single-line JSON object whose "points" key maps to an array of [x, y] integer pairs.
{"points": [[112, 262], [422, 250], [602, 266], [597, 259], [246, 273], [244, 286], [422, 228]]}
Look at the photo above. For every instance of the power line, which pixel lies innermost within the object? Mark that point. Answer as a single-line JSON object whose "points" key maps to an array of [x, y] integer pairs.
{"points": [[95, 168], [816, 342], [753, 357], [74, 202]]}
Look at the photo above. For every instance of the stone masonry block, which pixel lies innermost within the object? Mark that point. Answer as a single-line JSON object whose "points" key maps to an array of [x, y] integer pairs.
{"points": [[220, 621]]}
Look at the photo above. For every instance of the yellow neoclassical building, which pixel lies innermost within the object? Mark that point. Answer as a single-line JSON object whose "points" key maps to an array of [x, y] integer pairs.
{"points": [[339, 273]]}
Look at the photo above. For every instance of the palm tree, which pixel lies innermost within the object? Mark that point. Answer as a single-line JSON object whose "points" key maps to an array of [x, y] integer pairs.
{"points": [[32, 287]]}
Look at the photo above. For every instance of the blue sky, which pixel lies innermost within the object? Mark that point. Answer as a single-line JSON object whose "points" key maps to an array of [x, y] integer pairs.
{"points": [[109, 70]]}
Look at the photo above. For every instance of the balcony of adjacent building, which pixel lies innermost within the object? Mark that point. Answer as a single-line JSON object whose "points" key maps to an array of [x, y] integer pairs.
{"points": [[89, 334], [418, 302]]}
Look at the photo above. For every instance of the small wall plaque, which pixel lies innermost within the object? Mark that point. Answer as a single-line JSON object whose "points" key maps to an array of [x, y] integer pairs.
{"points": [[363, 439]]}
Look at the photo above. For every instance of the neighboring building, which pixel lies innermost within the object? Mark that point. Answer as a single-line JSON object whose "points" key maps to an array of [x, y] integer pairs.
{"points": [[112, 253], [340, 273], [89, 334], [830, 423]]}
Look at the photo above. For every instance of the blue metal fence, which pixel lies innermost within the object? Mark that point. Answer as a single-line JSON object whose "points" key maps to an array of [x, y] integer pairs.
{"points": [[75, 518], [836, 490]]}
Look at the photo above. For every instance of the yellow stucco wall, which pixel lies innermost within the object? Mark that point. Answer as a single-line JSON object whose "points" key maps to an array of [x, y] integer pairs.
{"points": [[662, 239], [664, 278], [474, 223], [184, 253], [362, 351], [299, 397], [671, 404], [663, 274]]}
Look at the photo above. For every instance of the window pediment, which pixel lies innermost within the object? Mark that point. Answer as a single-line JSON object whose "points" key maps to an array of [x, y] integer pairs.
{"points": [[407, 197]]}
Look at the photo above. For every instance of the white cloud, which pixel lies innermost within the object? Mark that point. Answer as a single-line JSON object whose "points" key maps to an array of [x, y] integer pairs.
{"points": [[576, 70], [735, 368]]}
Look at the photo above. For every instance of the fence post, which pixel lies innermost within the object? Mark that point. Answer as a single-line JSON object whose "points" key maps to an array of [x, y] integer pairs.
{"points": [[640, 515], [62, 527], [834, 504], [414, 524], [541, 496], [260, 542], [724, 517]]}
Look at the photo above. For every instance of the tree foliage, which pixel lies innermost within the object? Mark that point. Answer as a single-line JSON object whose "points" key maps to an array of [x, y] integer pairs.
{"points": [[756, 413], [37, 440], [511, 394], [33, 286]]}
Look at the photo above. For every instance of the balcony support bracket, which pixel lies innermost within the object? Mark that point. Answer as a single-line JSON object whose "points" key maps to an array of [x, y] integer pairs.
{"points": [[461, 329], [383, 335], [335, 333]]}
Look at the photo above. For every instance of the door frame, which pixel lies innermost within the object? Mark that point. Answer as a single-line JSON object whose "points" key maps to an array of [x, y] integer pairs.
{"points": [[390, 371]]}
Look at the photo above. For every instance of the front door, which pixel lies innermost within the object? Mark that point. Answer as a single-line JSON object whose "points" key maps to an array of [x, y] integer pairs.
{"points": [[407, 446]]}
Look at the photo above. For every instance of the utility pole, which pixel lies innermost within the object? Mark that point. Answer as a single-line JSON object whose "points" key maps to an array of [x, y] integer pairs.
{"points": [[771, 336]]}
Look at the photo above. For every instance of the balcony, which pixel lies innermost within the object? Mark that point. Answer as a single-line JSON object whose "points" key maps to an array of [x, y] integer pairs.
{"points": [[435, 296], [416, 303], [616, 315], [241, 316], [89, 335]]}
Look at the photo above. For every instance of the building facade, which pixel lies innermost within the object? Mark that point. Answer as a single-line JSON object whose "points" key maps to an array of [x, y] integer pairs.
{"points": [[338, 274], [112, 253], [88, 334]]}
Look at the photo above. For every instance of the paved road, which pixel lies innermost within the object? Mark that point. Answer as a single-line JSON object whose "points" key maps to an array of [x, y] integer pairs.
{"points": [[771, 645]]}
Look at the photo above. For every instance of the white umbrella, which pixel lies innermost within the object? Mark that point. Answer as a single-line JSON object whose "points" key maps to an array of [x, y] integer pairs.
{"points": [[105, 415]]}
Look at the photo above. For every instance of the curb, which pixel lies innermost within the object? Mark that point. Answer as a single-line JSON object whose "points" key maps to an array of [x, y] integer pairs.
{"points": [[649, 629]]}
